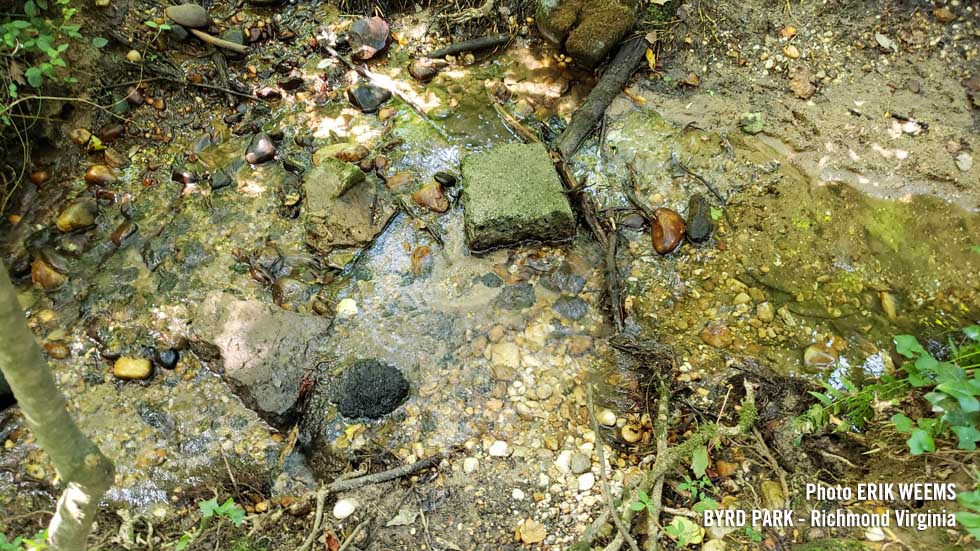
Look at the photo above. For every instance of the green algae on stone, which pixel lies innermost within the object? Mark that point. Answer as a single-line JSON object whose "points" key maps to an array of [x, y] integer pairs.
{"points": [[511, 194], [588, 30], [830, 544], [330, 179]]}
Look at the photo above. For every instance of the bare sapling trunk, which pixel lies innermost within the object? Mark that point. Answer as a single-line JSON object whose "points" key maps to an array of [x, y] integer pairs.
{"points": [[85, 472]]}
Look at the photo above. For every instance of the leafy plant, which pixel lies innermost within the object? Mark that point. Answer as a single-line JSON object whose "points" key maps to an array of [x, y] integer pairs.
{"points": [[36, 543], [684, 531], [643, 502], [753, 534], [38, 37], [229, 510], [969, 519]]}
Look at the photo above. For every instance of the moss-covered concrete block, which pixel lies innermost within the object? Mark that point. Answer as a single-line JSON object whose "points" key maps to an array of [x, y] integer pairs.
{"points": [[588, 30], [511, 194]]}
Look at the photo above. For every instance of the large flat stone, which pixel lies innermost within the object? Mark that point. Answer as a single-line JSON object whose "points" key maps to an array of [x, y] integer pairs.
{"points": [[261, 350], [512, 194], [341, 210]]}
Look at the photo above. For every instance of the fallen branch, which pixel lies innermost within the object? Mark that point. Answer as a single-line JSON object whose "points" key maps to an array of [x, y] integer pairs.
{"points": [[607, 496], [215, 41], [433, 233], [612, 281], [481, 43], [677, 161], [629, 188], [584, 120]]}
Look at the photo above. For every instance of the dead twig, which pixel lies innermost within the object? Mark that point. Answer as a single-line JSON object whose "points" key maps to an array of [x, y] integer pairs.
{"points": [[384, 476], [629, 188], [215, 41], [612, 281], [482, 43]]}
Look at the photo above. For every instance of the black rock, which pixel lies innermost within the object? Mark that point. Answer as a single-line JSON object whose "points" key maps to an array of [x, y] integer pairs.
{"points": [[368, 98], [516, 297], [445, 179], [699, 224], [166, 357], [571, 308], [261, 149], [371, 388]]}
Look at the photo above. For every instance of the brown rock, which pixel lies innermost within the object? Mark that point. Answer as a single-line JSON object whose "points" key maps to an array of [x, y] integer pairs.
{"points": [[78, 215], [188, 15], [130, 369], [667, 230], [38, 177], [45, 276], [423, 70], [100, 175], [57, 350], [398, 180], [717, 335], [432, 197]]}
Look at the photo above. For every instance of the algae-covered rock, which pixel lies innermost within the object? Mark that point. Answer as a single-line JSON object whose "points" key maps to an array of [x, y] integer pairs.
{"points": [[511, 194], [370, 388], [587, 30], [340, 209], [262, 350]]}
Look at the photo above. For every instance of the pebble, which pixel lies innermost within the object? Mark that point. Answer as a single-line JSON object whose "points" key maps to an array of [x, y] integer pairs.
{"points": [[470, 465], [579, 463], [714, 545], [699, 223], [188, 15], [506, 353], [606, 417], [564, 462], [889, 305], [57, 350], [631, 433], [261, 149], [585, 482], [517, 494], [134, 56], [100, 175], [543, 391], [128, 369], [819, 355], [423, 70], [431, 197], [344, 508], [741, 298], [499, 449], [964, 161], [765, 312], [570, 308], [717, 335], [46, 276], [874, 533], [80, 214], [346, 308], [367, 36], [791, 51], [166, 357], [368, 98], [667, 230]]}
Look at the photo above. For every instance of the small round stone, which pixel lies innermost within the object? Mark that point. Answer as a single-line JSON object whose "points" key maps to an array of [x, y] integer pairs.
{"points": [[606, 417], [344, 508], [586, 482], [517, 494], [499, 449], [580, 463], [129, 369], [470, 465]]}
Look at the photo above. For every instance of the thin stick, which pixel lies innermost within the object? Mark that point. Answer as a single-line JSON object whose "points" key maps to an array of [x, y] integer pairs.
{"points": [[215, 41], [350, 538], [481, 43], [612, 281], [321, 499], [764, 449], [677, 161], [384, 476], [604, 477], [630, 190]]}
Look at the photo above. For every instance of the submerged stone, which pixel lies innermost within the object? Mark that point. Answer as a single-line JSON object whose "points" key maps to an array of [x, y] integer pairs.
{"points": [[367, 37], [699, 223], [370, 388], [340, 209], [129, 369], [263, 351], [516, 297], [512, 194], [368, 98]]}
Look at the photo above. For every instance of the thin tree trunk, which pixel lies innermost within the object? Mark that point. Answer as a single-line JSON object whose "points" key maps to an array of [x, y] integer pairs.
{"points": [[86, 473]]}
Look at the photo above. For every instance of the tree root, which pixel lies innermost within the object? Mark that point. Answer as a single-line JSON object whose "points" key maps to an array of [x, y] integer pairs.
{"points": [[469, 14], [604, 477]]}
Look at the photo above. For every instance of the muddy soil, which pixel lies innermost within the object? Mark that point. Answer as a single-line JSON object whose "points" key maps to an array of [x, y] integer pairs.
{"points": [[851, 216]]}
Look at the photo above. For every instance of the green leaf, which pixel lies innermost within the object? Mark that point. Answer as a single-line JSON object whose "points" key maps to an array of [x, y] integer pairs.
{"points": [[99, 42], [12, 90], [824, 399], [183, 542], [970, 500], [706, 504], [643, 497], [716, 214], [908, 346], [34, 76], [42, 3], [151, 24], [902, 423], [968, 437], [637, 506], [926, 364], [970, 521], [972, 332], [209, 507], [165, 27], [963, 392], [699, 461], [920, 442], [19, 24], [30, 8]]}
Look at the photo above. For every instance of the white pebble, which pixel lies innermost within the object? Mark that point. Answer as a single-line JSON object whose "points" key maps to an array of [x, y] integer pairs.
{"points": [[344, 508], [586, 482], [470, 464], [606, 417], [517, 494], [347, 308], [499, 449]]}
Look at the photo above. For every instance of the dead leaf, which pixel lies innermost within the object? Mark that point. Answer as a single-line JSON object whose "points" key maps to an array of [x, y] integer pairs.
{"points": [[651, 59], [788, 31], [692, 80], [802, 85], [652, 37], [332, 543], [404, 517], [287, 447], [532, 531], [886, 42]]}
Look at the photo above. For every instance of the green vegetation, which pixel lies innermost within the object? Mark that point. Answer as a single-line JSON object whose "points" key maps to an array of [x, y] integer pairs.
{"points": [[34, 43], [229, 510], [38, 542], [950, 386]]}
